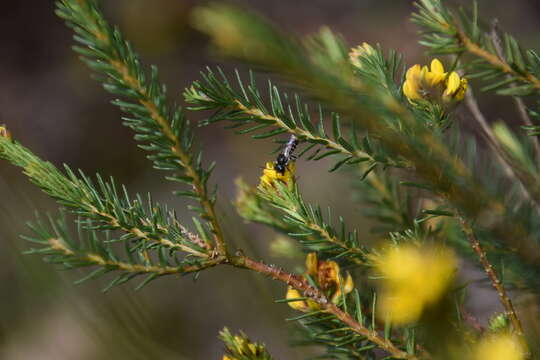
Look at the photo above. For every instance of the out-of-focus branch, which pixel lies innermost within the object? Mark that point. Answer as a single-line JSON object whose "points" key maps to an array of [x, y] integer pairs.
{"points": [[492, 274], [492, 142], [518, 101]]}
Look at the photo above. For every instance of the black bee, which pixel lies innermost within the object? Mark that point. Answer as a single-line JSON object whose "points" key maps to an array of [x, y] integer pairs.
{"points": [[286, 156]]}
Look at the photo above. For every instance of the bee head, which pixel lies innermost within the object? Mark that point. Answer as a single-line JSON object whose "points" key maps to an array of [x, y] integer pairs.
{"points": [[280, 168]]}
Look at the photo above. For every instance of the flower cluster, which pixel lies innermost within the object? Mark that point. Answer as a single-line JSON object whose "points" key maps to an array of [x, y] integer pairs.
{"points": [[270, 175], [240, 347], [413, 278], [433, 84], [327, 276]]}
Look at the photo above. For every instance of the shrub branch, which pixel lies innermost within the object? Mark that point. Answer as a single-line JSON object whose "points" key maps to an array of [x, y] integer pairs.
{"points": [[316, 295], [492, 274]]}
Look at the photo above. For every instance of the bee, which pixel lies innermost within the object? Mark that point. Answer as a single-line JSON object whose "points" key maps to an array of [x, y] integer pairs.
{"points": [[286, 156]]}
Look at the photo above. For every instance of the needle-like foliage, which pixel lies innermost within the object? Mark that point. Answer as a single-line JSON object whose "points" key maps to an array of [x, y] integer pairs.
{"points": [[422, 188], [163, 129]]}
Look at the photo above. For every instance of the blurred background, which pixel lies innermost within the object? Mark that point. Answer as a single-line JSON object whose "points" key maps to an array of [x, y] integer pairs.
{"points": [[51, 105]]}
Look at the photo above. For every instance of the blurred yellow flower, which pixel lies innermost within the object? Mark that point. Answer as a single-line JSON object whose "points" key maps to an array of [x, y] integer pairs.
{"points": [[327, 275], [433, 84], [500, 346], [270, 175], [414, 277]]}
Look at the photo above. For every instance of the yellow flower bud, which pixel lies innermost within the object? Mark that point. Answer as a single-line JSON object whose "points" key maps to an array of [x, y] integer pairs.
{"points": [[454, 82], [327, 276], [312, 264], [252, 348], [295, 294], [4, 132], [460, 94], [437, 67], [349, 284]]}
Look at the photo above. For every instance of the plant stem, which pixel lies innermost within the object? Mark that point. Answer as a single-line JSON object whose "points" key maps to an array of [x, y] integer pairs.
{"points": [[520, 105], [492, 274], [98, 260], [495, 60], [99, 31], [304, 134], [302, 285], [492, 142], [113, 221]]}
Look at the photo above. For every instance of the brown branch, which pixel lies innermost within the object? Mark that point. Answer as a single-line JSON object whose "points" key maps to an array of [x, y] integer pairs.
{"points": [[492, 274], [302, 285]]}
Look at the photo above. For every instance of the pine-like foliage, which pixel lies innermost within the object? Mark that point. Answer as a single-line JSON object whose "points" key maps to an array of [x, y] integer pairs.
{"points": [[420, 187], [163, 129]]}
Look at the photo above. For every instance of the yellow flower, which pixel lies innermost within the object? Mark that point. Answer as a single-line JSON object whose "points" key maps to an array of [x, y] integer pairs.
{"points": [[312, 264], [500, 346], [4, 132], [270, 175], [433, 84], [292, 293], [327, 275], [359, 52], [241, 347], [414, 278]]}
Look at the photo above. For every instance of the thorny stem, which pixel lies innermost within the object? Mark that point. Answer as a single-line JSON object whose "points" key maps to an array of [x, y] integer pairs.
{"points": [[316, 295], [492, 274], [244, 262], [146, 100]]}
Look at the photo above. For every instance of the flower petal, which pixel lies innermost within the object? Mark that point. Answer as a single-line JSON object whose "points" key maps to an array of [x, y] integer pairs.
{"points": [[413, 72], [349, 284], [437, 67], [311, 264], [296, 305], [454, 82], [411, 91]]}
